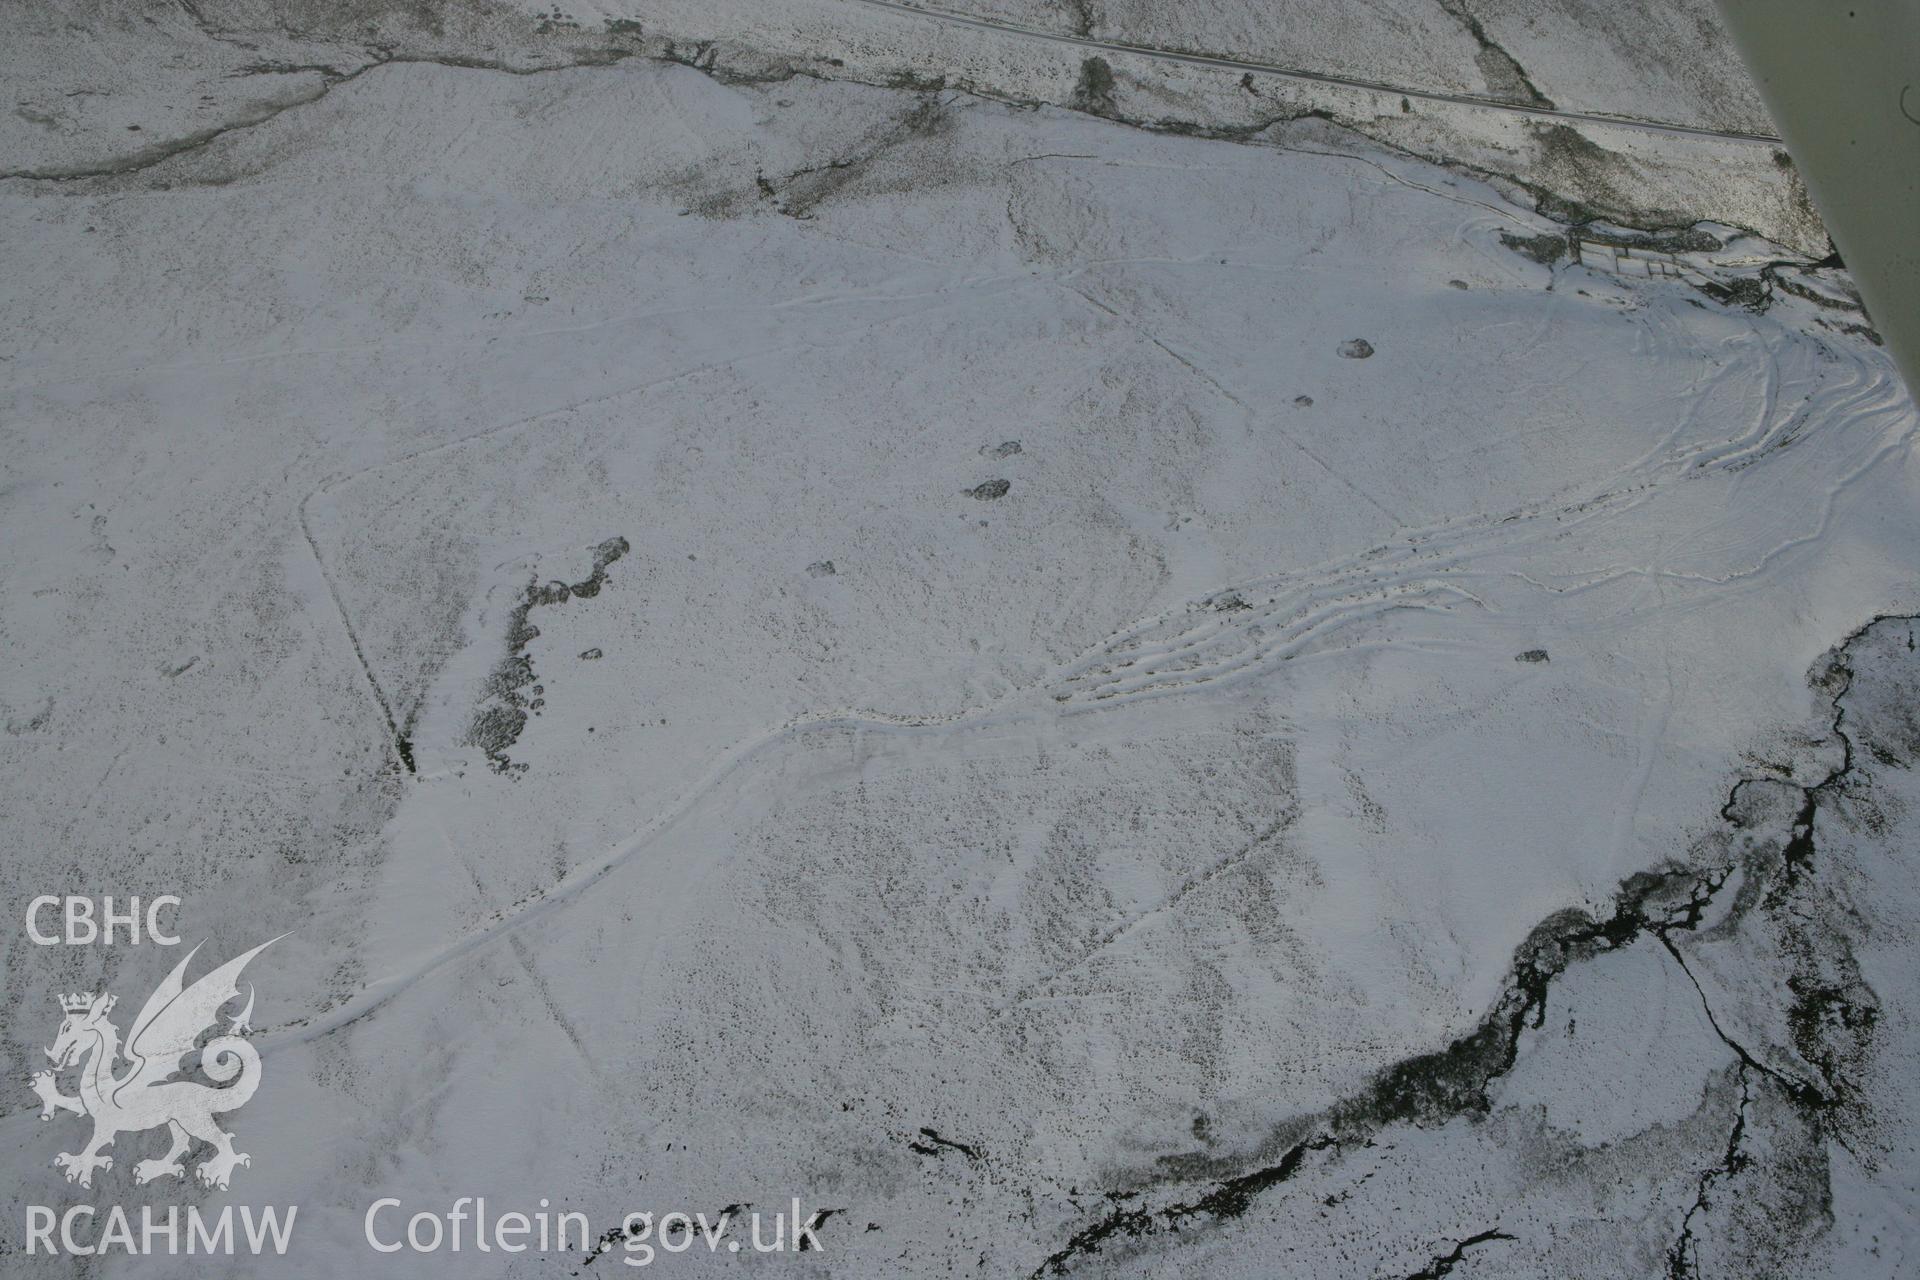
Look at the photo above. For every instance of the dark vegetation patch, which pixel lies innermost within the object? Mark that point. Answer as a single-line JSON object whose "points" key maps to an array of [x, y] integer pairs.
{"points": [[1750, 292], [510, 695], [800, 193], [1444, 1263], [1094, 91], [1667, 240], [1502, 71], [1544, 249], [930, 1143]]}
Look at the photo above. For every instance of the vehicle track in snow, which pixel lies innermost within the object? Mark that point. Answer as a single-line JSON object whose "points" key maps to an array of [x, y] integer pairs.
{"points": [[1860, 415]]}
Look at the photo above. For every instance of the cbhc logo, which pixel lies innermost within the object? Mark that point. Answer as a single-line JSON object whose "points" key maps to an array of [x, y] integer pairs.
{"points": [[82, 927]]}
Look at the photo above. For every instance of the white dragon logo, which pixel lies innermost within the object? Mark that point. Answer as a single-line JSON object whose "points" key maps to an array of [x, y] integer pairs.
{"points": [[147, 1096]]}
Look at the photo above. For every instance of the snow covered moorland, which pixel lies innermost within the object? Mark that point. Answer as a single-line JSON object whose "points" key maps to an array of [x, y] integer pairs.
{"points": [[1098, 639]]}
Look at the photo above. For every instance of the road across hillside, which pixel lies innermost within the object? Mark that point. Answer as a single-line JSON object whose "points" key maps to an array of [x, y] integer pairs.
{"points": [[1312, 77]]}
